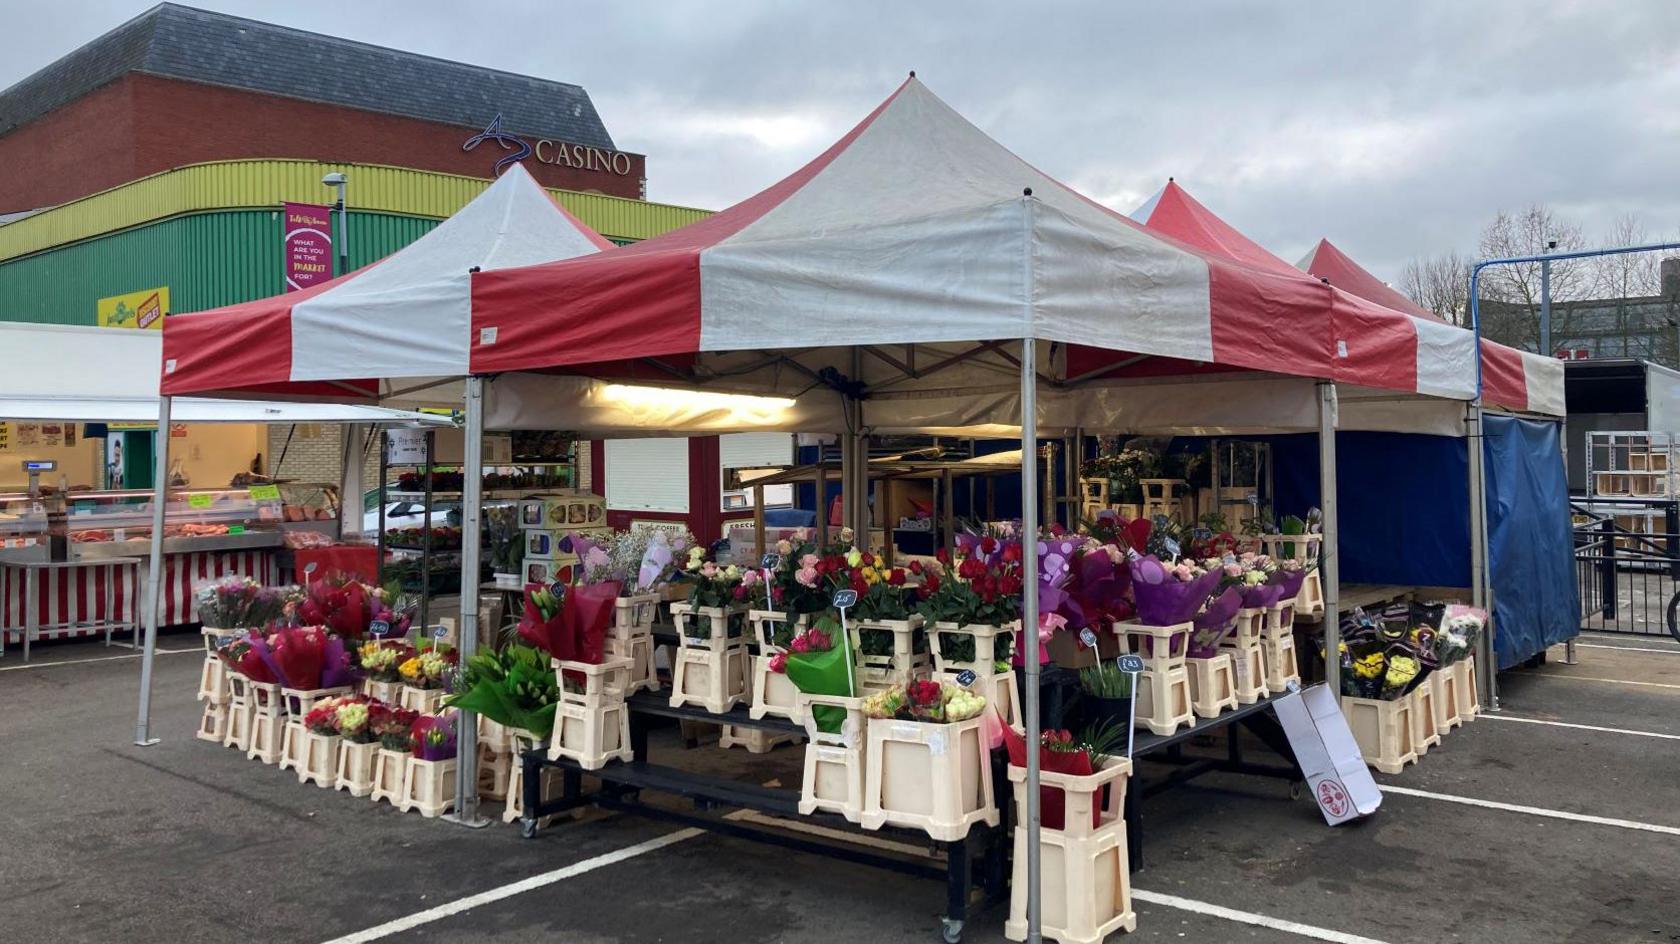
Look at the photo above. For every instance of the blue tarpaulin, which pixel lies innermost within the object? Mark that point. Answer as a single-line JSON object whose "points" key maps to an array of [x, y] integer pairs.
{"points": [[1530, 545], [1404, 519]]}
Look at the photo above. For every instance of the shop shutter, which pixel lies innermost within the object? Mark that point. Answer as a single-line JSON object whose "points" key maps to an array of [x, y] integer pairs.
{"points": [[647, 475], [740, 450]]}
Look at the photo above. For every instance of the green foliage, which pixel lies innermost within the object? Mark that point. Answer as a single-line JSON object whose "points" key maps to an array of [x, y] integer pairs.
{"points": [[514, 686], [1105, 680]]}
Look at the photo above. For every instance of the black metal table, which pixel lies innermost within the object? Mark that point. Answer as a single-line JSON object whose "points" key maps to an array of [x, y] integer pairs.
{"points": [[979, 859], [1257, 719]]}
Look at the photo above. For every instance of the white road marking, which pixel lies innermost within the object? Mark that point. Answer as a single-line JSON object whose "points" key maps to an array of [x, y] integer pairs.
{"points": [[1590, 645], [48, 665], [1589, 678], [1535, 811], [520, 887], [1248, 917], [1501, 716]]}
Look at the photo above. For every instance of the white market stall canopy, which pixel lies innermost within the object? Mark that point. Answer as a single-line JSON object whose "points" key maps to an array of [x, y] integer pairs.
{"points": [[96, 375], [401, 324]]}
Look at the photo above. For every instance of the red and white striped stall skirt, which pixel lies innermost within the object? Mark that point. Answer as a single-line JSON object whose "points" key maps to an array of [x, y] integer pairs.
{"points": [[67, 598]]}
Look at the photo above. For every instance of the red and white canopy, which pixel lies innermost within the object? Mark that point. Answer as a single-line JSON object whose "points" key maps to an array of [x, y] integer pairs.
{"points": [[407, 316], [1513, 379], [914, 229], [1386, 347]]}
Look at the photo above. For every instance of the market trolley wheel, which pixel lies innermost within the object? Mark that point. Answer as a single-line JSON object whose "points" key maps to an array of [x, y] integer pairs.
{"points": [[950, 931], [528, 827], [1295, 789], [1673, 613]]}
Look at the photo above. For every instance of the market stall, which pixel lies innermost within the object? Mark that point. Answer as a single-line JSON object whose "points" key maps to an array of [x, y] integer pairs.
{"points": [[65, 517], [393, 333], [915, 277]]}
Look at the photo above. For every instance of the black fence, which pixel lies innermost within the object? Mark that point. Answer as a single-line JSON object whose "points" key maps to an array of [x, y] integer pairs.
{"points": [[1627, 564]]}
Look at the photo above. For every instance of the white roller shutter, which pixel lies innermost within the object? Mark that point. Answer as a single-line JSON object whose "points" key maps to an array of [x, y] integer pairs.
{"points": [[742, 450], [647, 475]]}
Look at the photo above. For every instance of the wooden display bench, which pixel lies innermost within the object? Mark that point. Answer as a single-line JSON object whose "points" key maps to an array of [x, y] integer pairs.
{"points": [[976, 861]]}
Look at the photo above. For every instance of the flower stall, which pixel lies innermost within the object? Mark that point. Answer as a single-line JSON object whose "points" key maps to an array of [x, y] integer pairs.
{"points": [[939, 286]]}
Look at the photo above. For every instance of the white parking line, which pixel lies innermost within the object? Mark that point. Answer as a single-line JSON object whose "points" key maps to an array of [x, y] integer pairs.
{"points": [[1535, 811], [1589, 678], [1249, 917], [1593, 645], [48, 665], [1502, 716], [459, 905]]}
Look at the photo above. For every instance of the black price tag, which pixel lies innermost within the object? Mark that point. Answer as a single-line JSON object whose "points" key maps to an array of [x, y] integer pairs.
{"points": [[771, 561], [379, 628], [845, 599], [1088, 638], [1132, 664], [966, 677], [439, 631]]}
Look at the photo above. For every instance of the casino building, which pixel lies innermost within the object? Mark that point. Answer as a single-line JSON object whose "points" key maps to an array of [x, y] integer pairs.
{"points": [[158, 156]]}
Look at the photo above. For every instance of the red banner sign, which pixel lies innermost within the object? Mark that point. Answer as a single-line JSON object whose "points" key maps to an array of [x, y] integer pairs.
{"points": [[307, 244]]}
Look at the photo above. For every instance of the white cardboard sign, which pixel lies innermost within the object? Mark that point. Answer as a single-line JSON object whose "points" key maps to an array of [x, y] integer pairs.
{"points": [[1329, 757]]}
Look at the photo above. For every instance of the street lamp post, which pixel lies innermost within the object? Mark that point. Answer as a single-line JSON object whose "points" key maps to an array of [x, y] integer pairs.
{"points": [[337, 181]]}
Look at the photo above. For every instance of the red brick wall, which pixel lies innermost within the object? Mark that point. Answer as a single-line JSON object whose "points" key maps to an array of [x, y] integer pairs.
{"points": [[141, 124]]}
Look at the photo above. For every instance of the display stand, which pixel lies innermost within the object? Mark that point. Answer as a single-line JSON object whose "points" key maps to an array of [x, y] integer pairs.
{"points": [[1277, 648], [710, 667], [1213, 684], [1163, 687], [1248, 660], [907, 661], [997, 687], [1088, 886]]}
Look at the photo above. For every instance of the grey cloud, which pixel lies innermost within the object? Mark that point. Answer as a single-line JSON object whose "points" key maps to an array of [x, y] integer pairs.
{"points": [[1396, 129]]}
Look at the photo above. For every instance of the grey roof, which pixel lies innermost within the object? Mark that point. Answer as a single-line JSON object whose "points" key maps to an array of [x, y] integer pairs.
{"points": [[199, 46]]}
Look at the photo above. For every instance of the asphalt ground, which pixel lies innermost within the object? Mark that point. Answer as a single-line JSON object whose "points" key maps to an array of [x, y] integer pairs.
{"points": [[184, 841]]}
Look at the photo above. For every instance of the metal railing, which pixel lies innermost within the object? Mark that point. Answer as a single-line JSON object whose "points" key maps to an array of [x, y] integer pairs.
{"points": [[1627, 563]]}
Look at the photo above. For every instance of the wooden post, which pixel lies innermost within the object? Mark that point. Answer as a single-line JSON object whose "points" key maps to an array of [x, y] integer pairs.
{"points": [[758, 522], [948, 510], [822, 500], [888, 521]]}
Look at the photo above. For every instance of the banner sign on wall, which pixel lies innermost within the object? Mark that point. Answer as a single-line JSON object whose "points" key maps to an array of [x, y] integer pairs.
{"points": [[307, 244], [142, 309]]}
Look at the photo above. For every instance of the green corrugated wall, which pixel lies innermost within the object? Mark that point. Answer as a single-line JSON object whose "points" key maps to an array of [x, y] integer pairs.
{"points": [[206, 259]]}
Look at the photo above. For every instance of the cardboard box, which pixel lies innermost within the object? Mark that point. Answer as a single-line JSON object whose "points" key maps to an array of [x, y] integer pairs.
{"points": [[1329, 757], [542, 544], [548, 571]]}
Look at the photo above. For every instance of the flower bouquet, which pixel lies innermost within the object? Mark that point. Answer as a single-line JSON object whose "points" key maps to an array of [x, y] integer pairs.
{"points": [[924, 700], [391, 726], [1062, 752], [379, 659], [515, 687], [433, 736], [541, 625], [1460, 630], [1167, 595], [322, 719], [1214, 623], [308, 659], [816, 666], [238, 603], [344, 605], [428, 668], [247, 656]]}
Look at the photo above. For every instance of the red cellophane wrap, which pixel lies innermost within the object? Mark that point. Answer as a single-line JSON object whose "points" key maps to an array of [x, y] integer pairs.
{"points": [[250, 660], [299, 655], [341, 605], [585, 616], [545, 634], [1052, 804]]}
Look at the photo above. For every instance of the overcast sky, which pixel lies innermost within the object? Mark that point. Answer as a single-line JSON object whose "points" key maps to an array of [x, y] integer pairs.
{"points": [[1395, 129]]}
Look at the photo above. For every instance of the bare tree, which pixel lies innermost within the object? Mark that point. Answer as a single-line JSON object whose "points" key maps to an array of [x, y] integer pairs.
{"points": [[1515, 320], [1441, 284]]}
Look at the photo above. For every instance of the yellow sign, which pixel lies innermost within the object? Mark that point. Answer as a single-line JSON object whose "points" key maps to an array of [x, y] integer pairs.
{"points": [[142, 309]]}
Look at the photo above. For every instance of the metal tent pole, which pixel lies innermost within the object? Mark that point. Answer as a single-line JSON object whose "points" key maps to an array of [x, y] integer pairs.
{"points": [[154, 573], [1479, 586], [1029, 622], [1329, 566], [472, 514]]}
